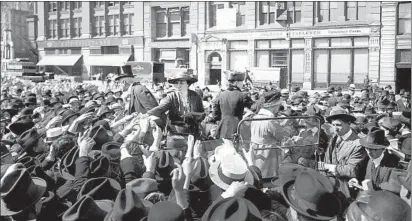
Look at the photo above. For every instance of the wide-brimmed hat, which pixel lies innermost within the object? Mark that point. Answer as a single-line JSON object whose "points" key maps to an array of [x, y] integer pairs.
{"points": [[351, 87], [128, 207], [111, 150], [165, 211], [179, 74], [143, 186], [232, 168], [19, 127], [286, 173], [19, 191], [67, 119], [30, 100], [54, 101], [312, 195], [235, 75], [99, 166], [340, 113], [29, 138], [407, 94], [164, 166], [52, 134], [331, 89], [384, 205], [390, 123], [26, 112], [238, 207], [73, 99], [101, 188], [315, 111], [100, 136], [37, 171], [88, 209], [375, 139], [67, 167]]}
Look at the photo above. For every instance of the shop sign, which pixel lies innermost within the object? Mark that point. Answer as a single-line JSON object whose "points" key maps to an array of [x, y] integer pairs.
{"points": [[90, 42]]}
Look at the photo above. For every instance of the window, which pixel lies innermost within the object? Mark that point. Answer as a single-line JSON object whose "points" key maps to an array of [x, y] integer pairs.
{"points": [[64, 6], [99, 4], [52, 6], [161, 22], [267, 12], [172, 22], [52, 28], [77, 5], [404, 18], [213, 7], [77, 30], [327, 11], [404, 55], [238, 60], [64, 28], [185, 21], [355, 11], [110, 49], [99, 23], [114, 4], [272, 53], [338, 59], [294, 10], [114, 25], [128, 24], [240, 12]]}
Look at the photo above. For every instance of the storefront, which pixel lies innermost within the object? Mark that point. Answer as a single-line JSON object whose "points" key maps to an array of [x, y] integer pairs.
{"points": [[61, 64], [313, 59], [98, 56]]}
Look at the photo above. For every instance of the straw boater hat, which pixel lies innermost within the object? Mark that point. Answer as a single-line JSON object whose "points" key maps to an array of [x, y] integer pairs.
{"points": [[52, 134], [182, 74], [232, 169]]}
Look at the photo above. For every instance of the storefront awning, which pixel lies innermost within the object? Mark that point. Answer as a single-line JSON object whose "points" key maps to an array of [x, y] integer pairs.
{"points": [[64, 60], [108, 60]]}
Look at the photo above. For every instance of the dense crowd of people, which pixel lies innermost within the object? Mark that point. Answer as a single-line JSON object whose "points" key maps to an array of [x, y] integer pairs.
{"points": [[175, 151]]}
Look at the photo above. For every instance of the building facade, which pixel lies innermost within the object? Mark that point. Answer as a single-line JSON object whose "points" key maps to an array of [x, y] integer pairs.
{"points": [[14, 31], [311, 44]]}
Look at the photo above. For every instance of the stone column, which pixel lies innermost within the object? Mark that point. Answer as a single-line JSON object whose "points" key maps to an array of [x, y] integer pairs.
{"points": [[374, 51], [388, 44], [42, 17], [308, 65], [86, 20]]}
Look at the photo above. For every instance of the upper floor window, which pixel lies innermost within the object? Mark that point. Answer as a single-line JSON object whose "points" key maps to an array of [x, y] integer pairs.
{"points": [[172, 22], [52, 28], [77, 30], [114, 25], [128, 24], [327, 11], [114, 4], [77, 5], [404, 18], [99, 26], [64, 28], [99, 4], [294, 12], [355, 11], [64, 6], [52, 6], [240, 12], [227, 15]]}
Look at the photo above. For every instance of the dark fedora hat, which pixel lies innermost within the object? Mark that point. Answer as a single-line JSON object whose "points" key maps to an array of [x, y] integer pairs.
{"points": [[19, 127], [232, 208], [287, 172], [340, 113], [127, 207], [312, 195], [315, 111], [100, 136], [178, 74], [30, 100], [110, 100], [26, 112], [54, 101], [89, 109], [29, 138], [72, 99], [101, 188], [20, 191], [67, 167], [375, 139], [88, 209], [390, 123], [111, 150], [165, 211], [165, 165], [100, 166], [69, 119], [143, 186]]}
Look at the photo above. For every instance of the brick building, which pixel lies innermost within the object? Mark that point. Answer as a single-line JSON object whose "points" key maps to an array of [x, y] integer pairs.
{"points": [[312, 44]]}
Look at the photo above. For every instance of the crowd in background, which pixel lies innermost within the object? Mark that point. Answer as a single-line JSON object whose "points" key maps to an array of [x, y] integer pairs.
{"points": [[169, 151]]}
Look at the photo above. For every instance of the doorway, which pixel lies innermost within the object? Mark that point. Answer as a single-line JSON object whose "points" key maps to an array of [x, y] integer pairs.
{"points": [[403, 79], [215, 68]]}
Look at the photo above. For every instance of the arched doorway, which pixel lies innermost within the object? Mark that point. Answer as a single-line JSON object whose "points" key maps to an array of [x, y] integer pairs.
{"points": [[215, 68]]}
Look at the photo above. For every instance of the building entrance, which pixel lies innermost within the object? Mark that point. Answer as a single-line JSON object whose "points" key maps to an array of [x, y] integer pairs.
{"points": [[215, 68], [403, 79]]}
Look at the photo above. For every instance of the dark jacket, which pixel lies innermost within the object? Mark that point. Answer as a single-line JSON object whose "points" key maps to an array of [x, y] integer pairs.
{"points": [[383, 172], [228, 108], [401, 106]]}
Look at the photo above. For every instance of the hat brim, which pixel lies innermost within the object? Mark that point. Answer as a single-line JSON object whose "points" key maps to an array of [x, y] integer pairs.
{"points": [[345, 117], [286, 192], [41, 187], [213, 172], [366, 144]]}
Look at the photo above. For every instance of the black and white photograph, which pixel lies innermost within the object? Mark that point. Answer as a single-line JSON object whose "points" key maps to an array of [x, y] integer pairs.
{"points": [[205, 111]]}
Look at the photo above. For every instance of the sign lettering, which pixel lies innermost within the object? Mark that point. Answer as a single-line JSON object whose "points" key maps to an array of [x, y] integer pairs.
{"points": [[89, 42]]}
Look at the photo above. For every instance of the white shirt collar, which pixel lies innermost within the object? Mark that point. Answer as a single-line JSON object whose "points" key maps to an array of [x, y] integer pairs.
{"points": [[377, 161], [347, 135]]}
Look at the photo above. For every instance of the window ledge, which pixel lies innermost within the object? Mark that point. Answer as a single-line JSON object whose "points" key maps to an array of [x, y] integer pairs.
{"points": [[77, 10], [128, 6], [404, 36], [113, 7], [171, 38]]}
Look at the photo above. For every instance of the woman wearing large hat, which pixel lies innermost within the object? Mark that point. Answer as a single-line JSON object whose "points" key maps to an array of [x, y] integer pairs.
{"points": [[184, 105]]}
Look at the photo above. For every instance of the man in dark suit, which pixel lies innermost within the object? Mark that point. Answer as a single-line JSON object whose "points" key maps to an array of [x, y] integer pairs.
{"points": [[404, 104]]}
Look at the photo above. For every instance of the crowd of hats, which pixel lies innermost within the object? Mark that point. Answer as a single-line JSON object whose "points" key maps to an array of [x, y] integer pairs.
{"points": [[94, 186]]}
